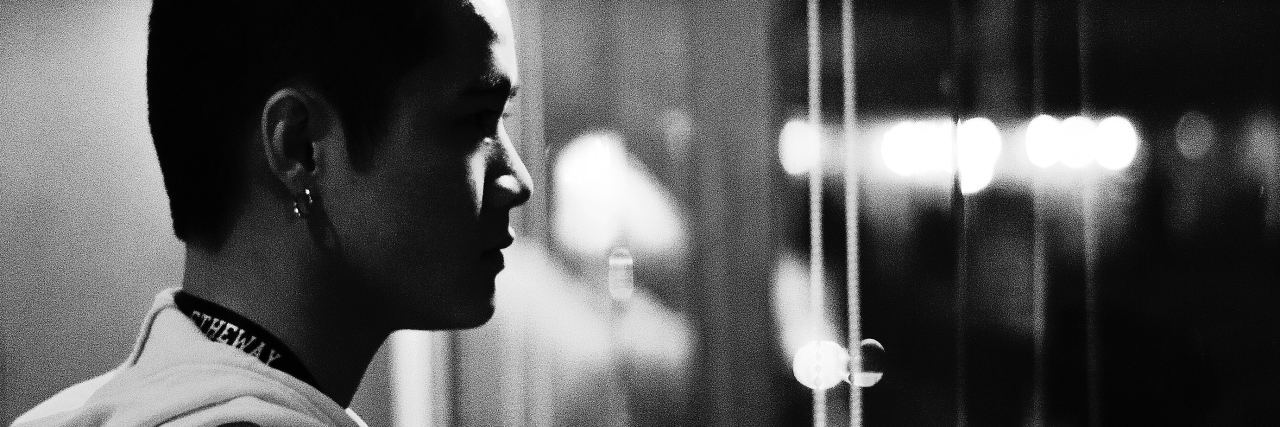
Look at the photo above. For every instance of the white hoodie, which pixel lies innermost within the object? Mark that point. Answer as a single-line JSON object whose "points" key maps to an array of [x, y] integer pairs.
{"points": [[175, 376]]}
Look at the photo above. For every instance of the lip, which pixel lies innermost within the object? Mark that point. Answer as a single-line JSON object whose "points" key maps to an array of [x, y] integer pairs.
{"points": [[506, 242], [498, 241], [493, 260]]}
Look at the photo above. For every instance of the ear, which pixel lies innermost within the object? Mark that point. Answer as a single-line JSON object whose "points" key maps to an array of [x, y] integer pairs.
{"points": [[294, 122]]}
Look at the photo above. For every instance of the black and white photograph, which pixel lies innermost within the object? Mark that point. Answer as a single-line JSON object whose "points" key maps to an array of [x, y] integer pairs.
{"points": [[617, 213]]}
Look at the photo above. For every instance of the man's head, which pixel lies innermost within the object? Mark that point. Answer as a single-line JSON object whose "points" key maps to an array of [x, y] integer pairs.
{"points": [[389, 114]]}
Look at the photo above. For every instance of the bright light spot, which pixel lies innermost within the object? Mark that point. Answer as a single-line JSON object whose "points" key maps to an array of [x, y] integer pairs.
{"points": [[677, 130], [412, 361], [933, 149], [555, 309], [896, 147], [1195, 135], [1077, 140], [1262, 134], [605, 197], [1262, 128], [798, 147], [916, 147], [652, 334], [824, 364], [821, 365], [979, 143], [870, 372], [791, 308], [1115, 143], [1044, 141], [974, 180], [621, 276], [590, 175]]}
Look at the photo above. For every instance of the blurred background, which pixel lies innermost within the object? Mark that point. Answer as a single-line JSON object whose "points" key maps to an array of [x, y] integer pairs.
{"points": [[1068, 215]]}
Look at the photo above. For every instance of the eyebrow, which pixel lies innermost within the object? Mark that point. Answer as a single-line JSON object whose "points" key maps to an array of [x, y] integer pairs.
{"points": [[492, 86]]}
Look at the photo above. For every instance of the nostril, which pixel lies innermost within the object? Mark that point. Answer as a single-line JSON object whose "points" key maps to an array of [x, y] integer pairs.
{"points": [[511, 185]]}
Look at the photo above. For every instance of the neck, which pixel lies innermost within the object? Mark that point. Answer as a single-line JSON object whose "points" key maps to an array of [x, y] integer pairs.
{"points": [[311, 309]]}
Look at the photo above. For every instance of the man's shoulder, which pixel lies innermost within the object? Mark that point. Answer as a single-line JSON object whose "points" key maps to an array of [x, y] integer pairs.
{"points": [[176, 374], [64, 402], [198, 394]]}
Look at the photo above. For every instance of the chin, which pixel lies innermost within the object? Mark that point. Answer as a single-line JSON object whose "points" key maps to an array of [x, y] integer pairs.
{"points": [[461, 315], [473, 317], [477, 308]]}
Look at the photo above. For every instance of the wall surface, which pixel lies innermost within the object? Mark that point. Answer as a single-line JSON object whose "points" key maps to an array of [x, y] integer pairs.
{"points": [[85, 234], [83, 215]]}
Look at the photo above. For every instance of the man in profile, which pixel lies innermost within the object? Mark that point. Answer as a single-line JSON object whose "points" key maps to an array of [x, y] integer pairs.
{"points": [[337, 171]]}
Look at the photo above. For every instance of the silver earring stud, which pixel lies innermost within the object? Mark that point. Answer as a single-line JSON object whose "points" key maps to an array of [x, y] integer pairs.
{"points": [[302, 204]]}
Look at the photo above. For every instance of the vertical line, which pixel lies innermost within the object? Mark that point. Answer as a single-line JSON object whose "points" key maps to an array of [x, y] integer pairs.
{"points": [[442, 373], [850, 85], [1083, 43], [533, 391], [960, 219], [512, 381], [1039, 300], [958, 212], [618, 292], [4, 368], [816, 280], [412, 362], [1272, 214], [617, 407], [408, 381], [455, 378], [533, 121], [1093, 368], [1038, 22], [1092, 346], [709, 302]]}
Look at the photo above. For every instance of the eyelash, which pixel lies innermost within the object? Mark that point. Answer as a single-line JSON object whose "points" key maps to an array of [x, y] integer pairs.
{"points": [[487, 121]]}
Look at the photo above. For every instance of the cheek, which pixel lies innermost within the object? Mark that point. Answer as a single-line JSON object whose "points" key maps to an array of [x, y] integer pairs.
{"points": [[409, 192], [476, 172], [434, 194]]}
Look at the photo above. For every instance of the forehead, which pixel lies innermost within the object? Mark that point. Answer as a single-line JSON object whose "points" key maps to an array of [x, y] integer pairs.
{"points": [[479, 45], [495, 14]]}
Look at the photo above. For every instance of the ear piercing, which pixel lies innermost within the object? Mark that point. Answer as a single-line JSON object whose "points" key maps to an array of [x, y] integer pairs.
{"points": [[302, 204]]}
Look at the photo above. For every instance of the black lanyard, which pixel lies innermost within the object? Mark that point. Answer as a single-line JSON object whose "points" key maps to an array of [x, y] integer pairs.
{"points": [[225, 326]]}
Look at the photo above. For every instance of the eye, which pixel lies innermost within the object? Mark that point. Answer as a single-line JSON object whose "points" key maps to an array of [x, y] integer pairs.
{"points": [[487, 122]]}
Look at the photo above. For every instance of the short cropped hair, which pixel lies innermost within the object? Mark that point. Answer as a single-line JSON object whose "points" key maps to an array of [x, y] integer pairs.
{"points": [[211, 66]]}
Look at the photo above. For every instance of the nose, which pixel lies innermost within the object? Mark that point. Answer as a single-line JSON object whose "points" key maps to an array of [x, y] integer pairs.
{"points": [[512, 184]]}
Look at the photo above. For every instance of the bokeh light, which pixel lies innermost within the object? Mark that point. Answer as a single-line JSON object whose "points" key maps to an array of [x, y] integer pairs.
{"points": [[605, 197], [916, 147], [976, 179], [1262, 144], [589, 176], [872, 364], [895, 148], [933, 147], [621, 274], [979, 143], [798, 147], [1077, 133], [824, 364], [1115, 143], [821, 365], [1195, 135], [1044, 141], [677, 131]]}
